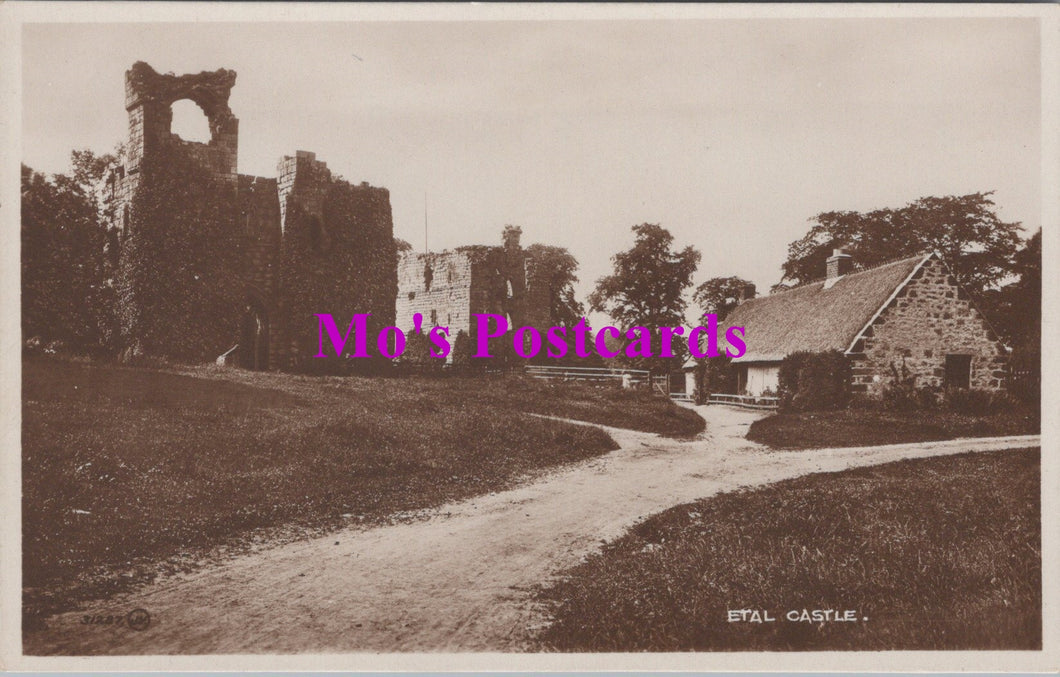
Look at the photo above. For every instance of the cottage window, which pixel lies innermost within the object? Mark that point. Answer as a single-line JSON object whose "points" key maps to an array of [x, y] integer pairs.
{"points": [[958, 371], [434, 318]]}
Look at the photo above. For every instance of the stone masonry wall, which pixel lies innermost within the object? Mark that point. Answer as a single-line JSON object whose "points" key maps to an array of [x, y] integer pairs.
{"points": [[181, 252], [438, 286], [929, 318], [537, 303], [255, 251], [149, 98], [337, 256], [449, 288]]}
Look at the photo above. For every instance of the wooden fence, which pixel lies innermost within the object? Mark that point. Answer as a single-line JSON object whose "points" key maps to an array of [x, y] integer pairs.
{"points": [[746, 401], [634, 378]]}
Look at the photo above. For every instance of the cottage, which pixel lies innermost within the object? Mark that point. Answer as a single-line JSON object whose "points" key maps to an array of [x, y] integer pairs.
{"points": [[907, 316]]}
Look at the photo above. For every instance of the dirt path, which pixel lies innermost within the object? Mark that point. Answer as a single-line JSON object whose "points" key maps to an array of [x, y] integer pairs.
{"points": [[459, 581]]}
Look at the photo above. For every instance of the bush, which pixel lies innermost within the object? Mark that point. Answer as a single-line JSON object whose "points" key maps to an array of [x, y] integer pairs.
{"points": [[903, 398], [67, 300], [903, 394], [714, 375], [979, 402], [814, 381], [417, 357], [462, 349]]}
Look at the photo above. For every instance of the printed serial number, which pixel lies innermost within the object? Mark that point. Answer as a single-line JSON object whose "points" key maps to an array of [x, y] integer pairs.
{"points": [[137, 619]]}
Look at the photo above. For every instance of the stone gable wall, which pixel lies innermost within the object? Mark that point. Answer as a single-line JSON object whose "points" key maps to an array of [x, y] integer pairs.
{"points": [[929, 318]]}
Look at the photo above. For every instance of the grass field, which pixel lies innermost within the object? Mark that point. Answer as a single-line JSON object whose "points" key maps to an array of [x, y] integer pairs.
{"points": [[864, 427], [941, 553], [127, 472]]}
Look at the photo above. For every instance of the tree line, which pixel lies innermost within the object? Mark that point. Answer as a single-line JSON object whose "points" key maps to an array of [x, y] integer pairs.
{"points": [[68, 265]]}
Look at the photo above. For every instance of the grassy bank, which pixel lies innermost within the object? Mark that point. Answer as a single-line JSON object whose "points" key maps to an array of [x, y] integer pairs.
{"points": [[605, 405], [941, 553], [861, 427], [127, 472]]}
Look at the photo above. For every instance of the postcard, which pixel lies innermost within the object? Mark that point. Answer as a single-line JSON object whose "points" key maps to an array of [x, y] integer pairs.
{"points": [[529, 337]]}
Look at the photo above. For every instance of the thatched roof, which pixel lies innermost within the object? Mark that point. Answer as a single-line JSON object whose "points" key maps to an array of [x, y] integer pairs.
{"points": [[815, 316]]}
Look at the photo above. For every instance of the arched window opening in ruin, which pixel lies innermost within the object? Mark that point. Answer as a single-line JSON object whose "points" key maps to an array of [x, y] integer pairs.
{"points": [[316, 234], [428, 277], [126, 230], [189, 122]]}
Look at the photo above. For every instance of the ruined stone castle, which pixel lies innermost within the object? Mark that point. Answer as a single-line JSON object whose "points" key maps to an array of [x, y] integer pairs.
{"points": [[448, 288], [212, 262]]}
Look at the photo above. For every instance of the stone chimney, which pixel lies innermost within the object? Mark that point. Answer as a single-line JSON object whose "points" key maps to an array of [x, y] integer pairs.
{"points": [[839, 263], [746, 293]]}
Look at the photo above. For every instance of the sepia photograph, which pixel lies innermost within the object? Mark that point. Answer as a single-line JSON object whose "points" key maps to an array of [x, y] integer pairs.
{"points": [[529, 333]]}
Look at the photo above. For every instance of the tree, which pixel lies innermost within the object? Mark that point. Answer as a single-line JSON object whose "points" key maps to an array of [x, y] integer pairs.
{"points": [[647, 287], [417, 354], [719, 295], [558, 266], [964, 230], [1015, 310], [67, 293], [89, 168]]}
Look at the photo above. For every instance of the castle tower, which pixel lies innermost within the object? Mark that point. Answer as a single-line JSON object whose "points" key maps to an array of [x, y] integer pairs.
{"points": [[184, 226], [214, 263], [149, 99]]}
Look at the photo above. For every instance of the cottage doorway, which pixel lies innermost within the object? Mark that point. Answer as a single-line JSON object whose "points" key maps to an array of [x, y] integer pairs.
{"points": [[958, 371], [255, 344]]}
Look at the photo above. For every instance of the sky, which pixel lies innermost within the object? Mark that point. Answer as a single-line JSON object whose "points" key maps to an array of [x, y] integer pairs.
{"points": [[729, 133]]}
